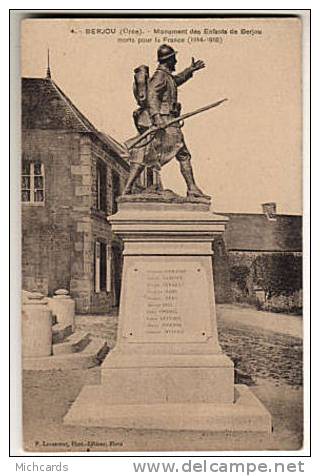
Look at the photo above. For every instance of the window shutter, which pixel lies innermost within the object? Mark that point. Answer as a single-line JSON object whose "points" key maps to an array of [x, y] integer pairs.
{"points": [[108, 270], [98, 187], [97, 266]]}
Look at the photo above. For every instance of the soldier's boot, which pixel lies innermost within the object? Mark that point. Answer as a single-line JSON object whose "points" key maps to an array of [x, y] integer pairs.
{"points": [[135, 171], [187, 173]]}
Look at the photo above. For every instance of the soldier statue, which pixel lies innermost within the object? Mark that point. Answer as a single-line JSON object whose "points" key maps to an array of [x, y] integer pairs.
{"points": [[158, 101]]}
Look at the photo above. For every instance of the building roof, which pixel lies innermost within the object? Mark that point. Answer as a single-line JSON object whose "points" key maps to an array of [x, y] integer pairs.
{"points": [[255, 232], [45, 106]]}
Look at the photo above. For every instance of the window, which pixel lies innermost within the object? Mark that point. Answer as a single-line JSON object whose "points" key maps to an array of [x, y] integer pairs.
{"points": [[149, 176], [101, 186], [116, 191], [100, 266], [32, 182]]}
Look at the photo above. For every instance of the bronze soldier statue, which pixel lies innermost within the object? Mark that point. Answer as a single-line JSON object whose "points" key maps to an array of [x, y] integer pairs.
{"points": [[159, 104]]}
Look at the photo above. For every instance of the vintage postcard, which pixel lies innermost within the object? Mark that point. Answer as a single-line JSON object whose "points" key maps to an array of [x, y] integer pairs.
{"points": [[161, 210]]}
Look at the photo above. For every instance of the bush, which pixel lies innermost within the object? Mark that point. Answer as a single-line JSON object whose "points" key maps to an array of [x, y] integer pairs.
{"points": [[291, 304], [278, 274], [239, 275]]}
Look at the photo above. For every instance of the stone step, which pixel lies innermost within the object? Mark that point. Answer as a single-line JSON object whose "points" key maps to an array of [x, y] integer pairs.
{"points": [[98, 349], [93, 354], [74, 343], [60, 332], [246, 414]]}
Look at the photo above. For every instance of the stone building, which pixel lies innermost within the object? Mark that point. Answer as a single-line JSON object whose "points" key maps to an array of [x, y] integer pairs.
{"points": [[250, 239], [71, 177]]}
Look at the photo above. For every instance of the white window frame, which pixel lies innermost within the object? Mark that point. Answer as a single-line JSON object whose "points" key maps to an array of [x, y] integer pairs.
{"points": [[32, 188]]}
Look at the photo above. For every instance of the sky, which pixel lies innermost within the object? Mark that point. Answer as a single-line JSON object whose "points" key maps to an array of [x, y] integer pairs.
{"points": [[245, 152]]}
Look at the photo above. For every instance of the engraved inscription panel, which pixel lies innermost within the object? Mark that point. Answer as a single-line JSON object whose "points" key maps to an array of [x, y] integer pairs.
{"points": [[169, 302]]}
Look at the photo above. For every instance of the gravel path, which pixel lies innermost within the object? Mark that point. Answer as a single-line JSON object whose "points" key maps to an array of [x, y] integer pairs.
{"points": [[269, 321], [263, 354]]}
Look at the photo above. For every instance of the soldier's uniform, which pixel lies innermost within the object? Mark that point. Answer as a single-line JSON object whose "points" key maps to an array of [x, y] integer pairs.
{"points": [[163, 100], [160, 107]]}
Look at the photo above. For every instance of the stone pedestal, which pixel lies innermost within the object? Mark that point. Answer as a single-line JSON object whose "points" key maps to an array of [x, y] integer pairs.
{"points": [[63, 307], [36, 326], [167, 370]]}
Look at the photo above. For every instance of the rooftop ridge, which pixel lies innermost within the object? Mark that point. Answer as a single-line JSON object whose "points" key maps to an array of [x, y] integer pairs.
{"points": [[82, 120], [74, 109]]}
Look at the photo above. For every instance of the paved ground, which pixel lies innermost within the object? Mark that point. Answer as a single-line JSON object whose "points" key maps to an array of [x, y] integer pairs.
{"points": [[271, 362]]}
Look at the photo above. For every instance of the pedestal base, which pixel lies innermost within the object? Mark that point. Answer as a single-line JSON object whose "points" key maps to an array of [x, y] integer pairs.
{"points": [[172, 378], [246, 414], [167, 371]]}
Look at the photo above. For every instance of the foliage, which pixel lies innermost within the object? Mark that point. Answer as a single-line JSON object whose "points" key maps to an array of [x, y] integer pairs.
{"points": [[278, 274], [239, 275]]}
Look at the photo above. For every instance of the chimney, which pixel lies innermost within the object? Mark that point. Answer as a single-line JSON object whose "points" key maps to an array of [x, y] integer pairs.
{"points": [[270, 210]]}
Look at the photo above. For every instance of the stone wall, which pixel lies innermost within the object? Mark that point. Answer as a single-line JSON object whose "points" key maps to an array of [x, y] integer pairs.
{"points": [[112, 165], [47, 232], [81, 283], [100, 230], [92, 227], [58, 236]]}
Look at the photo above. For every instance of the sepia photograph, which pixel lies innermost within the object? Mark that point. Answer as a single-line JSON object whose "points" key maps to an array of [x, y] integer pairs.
{"points": [[161, 200]]}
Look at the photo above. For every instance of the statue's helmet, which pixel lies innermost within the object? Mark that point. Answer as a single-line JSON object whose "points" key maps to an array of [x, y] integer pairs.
{"points": [[165, 52]]}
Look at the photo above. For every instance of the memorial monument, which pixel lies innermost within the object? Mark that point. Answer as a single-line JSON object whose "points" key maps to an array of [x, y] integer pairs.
{"points": [[167, 370]]}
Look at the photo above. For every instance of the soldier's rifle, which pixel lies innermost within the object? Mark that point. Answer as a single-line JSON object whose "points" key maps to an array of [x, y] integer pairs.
{"points": [[131, 143]]}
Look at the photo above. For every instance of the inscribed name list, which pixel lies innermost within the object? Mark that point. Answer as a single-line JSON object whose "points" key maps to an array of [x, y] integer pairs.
{"points": [[171, 303]]}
